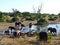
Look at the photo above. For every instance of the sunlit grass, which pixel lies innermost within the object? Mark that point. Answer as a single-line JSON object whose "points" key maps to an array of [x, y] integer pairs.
{"points": [[29, 41]]}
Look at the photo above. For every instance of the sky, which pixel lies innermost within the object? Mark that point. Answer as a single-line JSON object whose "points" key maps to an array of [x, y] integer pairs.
{"points": [[48, 6]]}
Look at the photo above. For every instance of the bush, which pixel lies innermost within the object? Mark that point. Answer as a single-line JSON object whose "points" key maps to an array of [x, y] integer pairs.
{"points": [[8, 20], [1, 19], [42, 22], [56, 18], [37, 33], [14, 19], [30, 19], [53, 18], [49, 36]]}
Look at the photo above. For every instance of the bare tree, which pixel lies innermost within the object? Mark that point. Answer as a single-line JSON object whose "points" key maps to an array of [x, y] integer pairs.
{"points": [[37, 12], [14, 12]]}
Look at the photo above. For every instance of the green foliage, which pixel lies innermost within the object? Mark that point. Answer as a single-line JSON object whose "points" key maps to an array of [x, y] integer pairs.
{"points": [[1, 15], [38, 29], [55, 17], [52, 18], [44, 15], [20, 15], [1, 19], [26, 14], [42, 22], [49, 36], [30, 19], [37, 33], [14, 19], [8, 20]]}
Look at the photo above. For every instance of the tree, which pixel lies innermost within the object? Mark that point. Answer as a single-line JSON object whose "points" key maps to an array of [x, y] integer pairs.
{"points": [[42, 22], [14, 19], [16, 12], [38, 15], [52, 17], [1, 15], [26, 14], [59, 15]]}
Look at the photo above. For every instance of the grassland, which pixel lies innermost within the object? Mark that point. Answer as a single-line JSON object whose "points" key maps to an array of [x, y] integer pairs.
{"points": [[28, 41], [24, 40]]}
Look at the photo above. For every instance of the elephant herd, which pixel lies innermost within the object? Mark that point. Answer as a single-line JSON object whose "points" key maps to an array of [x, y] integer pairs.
{"points": [[17, 32]]}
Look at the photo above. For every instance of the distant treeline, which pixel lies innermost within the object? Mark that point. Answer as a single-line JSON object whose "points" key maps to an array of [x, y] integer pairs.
{"points": [[21, 16]]}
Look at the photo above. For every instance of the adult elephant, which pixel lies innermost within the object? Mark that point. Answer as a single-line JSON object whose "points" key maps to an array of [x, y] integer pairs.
{"points": [[50, 29], [19, 25], [43, 36], [11, 28], [53, 30]]}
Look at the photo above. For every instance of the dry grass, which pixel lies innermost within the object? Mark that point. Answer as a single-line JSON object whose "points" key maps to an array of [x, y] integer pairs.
{"points": [[4, 25], [30, 41]]}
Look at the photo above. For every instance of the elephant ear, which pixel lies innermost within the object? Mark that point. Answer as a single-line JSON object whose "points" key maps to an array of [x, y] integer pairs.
{"points": [[50, 28], [54, 29]]}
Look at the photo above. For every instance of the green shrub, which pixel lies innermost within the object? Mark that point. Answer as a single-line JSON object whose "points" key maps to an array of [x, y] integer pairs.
{"points": [[49, 36], [31, 19], [14, 19], [42, 22], [8, 20], [1, 19], [53, 18], [37, 33]]}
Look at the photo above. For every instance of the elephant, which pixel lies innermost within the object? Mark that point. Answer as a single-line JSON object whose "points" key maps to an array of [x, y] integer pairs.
{"points": [[43, 36]]}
